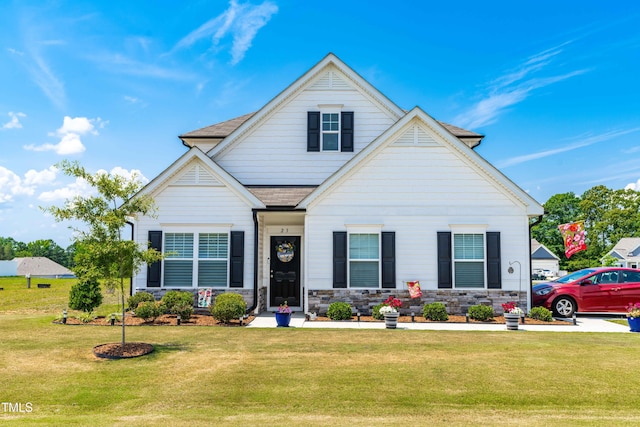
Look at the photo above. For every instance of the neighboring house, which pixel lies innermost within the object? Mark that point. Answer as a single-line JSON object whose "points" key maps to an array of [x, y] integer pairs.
{"points": [[331, 192], [543, 261], [626, 252], [34, 267]]}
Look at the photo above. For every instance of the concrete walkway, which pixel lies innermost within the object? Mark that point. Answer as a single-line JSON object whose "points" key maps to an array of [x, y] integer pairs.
{"points": [[583, 324]]}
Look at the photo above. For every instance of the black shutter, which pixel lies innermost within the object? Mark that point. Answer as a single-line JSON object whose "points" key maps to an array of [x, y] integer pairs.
{"points": [[445, 278], [313, 131], [388, 259], [347, 131], [339, 259], [236, 274], [494, 275], [154, 271]]}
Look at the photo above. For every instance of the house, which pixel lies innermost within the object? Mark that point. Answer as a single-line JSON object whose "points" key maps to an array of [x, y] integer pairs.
{"points": [[543, 261], [626, 252], [41, 267], [331, 192]]}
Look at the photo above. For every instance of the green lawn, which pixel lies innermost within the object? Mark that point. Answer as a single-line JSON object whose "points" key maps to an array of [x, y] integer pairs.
{"points": [[243, 376]]}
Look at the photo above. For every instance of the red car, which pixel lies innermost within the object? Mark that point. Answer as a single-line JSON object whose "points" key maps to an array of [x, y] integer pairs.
{"points": [[600, 290]]}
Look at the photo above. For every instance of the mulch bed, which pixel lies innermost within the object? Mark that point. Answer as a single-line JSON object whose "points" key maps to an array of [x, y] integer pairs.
{"points": [[452, 319], [164, 320], [118, 351]]}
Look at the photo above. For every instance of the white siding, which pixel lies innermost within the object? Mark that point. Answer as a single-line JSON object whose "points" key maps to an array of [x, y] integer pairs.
{"points": [[416, 191], [275, 152], [197, 207]]}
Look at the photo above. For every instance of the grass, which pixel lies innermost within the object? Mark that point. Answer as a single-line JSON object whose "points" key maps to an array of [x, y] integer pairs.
{"points": [[242, 376]]}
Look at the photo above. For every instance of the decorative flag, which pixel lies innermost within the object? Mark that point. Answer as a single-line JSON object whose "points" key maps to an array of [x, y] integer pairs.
{"points": [[414, 289], [204, 297], [573, 236]]}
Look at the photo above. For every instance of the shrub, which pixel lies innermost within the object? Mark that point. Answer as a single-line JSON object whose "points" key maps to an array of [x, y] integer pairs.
{"points": [[86, 317], [228, 306], [172, 299], [541, 313], [376, 312], [137, 298], [149, 310], [184, 310], [339, 311], [435, 311], [85, 295], [481, 312]]}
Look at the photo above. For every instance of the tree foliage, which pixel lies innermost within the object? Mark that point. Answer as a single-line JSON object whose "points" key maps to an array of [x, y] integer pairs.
{"points": [[609, 215], [100, 250]]}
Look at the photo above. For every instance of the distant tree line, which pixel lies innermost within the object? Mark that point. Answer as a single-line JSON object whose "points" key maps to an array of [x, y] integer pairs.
{"points": [[609, 215], [10, 249]]}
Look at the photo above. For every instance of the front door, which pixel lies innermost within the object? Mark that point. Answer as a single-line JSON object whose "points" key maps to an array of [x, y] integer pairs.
{"points": [[285, 271]]}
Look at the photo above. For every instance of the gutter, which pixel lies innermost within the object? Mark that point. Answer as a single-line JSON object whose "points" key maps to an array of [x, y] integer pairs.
{"points": [[255, 263], [531, 225]]}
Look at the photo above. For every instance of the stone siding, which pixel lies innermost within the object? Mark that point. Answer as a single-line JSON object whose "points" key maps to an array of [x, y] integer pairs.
{"points": [[158, 293], [456, 301]]}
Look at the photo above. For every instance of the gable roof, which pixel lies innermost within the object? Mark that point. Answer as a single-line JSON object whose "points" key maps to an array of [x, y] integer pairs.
{"points": [[285, 196], [507, 186], [219, 131], [627, 248], [540, 251], [221, 176], [40, 266]]}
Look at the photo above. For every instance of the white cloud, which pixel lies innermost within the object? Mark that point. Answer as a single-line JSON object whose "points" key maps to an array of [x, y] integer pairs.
{"points": [[633, 186], [11, 185], [513, 88], [44, 177], [78, 188], [70, 132], [241, 21], [14, 123], [133, 174]]}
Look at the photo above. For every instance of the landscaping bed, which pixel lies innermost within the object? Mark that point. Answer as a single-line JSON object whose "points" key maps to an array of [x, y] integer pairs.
{"points": [[164, 320], [452, 319]]}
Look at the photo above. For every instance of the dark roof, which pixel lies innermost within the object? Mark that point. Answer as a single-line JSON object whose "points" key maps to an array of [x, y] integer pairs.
{"points": [[282, 196], [218, 130], [224, 129]]}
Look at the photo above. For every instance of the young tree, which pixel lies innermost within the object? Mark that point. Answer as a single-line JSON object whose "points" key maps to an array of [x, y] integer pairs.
{"points": [[101, 251]]}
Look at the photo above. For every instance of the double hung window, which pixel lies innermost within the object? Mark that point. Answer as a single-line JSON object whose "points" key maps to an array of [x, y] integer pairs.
{"points": [[330, 131], [196, 259], [364, 260], [469, 260]]}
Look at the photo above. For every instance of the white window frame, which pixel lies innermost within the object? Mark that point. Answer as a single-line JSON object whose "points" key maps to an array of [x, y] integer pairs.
{"points": [[469, 230], [324, 132], [196, 231], [359, 230]]}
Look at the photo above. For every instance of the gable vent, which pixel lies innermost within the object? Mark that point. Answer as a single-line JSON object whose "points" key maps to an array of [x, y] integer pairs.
{"points": [[197, 175], [416, 136], [331, 81]]}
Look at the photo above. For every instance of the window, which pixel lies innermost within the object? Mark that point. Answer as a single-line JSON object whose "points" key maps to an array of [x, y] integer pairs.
{"points": [[187, 265], [364, 260], [178, 264], [213, 249], [468, 260], [330, 131]]}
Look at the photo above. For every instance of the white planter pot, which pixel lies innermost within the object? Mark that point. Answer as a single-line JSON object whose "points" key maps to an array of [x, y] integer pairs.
{"points": [[512, 321], [391, 319]]}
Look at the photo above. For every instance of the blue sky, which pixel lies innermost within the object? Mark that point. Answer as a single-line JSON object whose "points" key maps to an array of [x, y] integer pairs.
{"points": [[553, 85]]}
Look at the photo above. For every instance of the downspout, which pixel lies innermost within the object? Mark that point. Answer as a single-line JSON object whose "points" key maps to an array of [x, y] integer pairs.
{"points": [[255, 263], [531, 225], [131, 278]]}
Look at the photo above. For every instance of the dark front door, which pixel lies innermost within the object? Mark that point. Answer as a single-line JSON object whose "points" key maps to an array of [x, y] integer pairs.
{"points": [[285, 271]]}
